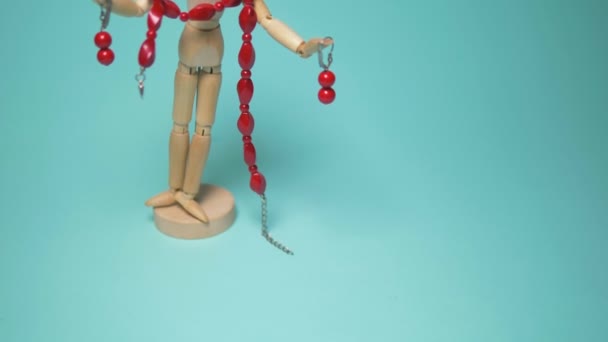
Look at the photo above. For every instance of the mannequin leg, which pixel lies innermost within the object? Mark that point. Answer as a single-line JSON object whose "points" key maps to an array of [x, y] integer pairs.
{"points": [[185, 89], [208, 91]]}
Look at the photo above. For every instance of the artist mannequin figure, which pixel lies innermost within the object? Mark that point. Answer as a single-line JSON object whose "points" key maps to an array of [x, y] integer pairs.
{"points": [[199, 76]]}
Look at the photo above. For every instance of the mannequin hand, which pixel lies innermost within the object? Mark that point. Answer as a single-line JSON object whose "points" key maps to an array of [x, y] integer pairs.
{"points": [[127, 8], [308, 48]]}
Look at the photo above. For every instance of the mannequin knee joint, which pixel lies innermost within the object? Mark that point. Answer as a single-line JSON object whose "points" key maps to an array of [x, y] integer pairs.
{"points": [[180, 128], [203, 129]]}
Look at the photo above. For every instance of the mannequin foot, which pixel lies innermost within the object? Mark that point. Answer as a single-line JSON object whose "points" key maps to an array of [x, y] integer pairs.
{"points": [[191, 206], [163, 199]]}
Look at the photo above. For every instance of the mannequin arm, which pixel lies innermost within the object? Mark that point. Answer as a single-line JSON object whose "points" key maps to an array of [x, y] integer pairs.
{"points": [[128, 8], [284, 34]]}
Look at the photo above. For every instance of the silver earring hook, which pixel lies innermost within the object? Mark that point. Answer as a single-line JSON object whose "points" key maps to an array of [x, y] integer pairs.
{"points": [[330, 55], [106, 9], [140, 78]]}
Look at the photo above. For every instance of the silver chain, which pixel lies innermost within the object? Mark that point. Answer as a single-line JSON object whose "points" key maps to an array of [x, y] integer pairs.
{"points": [[265, 233]]}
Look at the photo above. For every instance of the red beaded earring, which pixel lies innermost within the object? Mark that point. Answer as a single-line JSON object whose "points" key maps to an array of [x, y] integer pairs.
{"points": [[327, 78], [103, 39]]}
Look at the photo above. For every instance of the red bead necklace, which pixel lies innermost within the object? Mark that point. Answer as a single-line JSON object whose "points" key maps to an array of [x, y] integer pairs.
{"points": [[246, 59]]}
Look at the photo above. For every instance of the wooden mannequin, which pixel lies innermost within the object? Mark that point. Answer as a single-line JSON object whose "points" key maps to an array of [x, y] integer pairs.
{"points": [[198, 76]]}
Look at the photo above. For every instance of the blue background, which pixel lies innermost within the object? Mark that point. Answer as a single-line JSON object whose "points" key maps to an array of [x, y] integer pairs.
{"points": [[455, 191]]}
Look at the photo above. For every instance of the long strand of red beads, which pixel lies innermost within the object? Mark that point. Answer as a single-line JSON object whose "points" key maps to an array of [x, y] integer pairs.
{"points": [[246, 58], [245, 123]]}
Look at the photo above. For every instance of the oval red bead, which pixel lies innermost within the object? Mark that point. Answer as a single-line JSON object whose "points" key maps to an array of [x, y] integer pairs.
{"points": [[147, 53], [171, 9], [245, 90], [155, 16], [327, 95], [246, 56], [105, 56], [202, 12], [327, 78], [258, 183], [103, 40], [231, 3], [249, 154], [246, 125], [247, 19]]}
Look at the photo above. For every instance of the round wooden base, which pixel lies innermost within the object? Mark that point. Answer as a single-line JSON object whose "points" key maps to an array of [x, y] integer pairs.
{"points": [[217, 203]]}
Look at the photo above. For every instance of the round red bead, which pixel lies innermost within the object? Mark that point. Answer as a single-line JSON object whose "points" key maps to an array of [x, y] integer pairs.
{"points": [[327, 95], [219, 6], [151, 34], [105, 56], [253, 168], [246, 74], [247, 37], [103, 40], [327, 78], [247, 138], [184, 16], [244, 108]]}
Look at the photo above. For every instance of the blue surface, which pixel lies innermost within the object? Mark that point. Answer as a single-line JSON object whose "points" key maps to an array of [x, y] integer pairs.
{"points": [[455, 191]]}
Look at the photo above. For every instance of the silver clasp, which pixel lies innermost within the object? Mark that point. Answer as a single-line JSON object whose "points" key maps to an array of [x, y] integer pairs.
{"points": [[330, 56]]}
